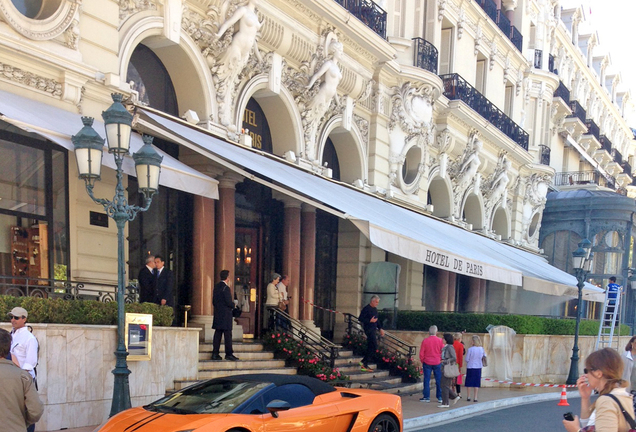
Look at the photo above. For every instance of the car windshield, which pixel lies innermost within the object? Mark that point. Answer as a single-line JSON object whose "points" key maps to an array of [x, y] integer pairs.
{"points": [[210, 397]]}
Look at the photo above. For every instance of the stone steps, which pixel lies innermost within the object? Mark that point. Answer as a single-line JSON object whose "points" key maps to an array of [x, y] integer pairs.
{"points": [[243, 355], [260, 364], [208, 374]]}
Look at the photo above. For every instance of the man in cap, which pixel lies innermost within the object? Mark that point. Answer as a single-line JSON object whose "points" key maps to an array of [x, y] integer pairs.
{"points": [[20, 405]]}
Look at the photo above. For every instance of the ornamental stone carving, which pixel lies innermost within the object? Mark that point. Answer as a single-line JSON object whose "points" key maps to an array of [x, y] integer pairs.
{"points": [[130, 7], [534, 189], [47, 85], [410, 124], [494, 189], [49, 24], [463, 171]]}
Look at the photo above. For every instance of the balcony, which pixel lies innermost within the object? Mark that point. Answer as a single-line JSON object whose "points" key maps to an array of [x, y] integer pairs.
{"points": [[582, 178], [562, 92], [368, 12], [425, 55], [457, 88], [627, 168], [618, 157], [544, 155], [538, 59], [577, 111], [499, 18], [592, 128], [606, 144], [551, 67]]}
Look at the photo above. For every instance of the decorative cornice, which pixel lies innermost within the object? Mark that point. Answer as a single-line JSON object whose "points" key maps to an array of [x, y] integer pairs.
{"points": [[37, 82]]}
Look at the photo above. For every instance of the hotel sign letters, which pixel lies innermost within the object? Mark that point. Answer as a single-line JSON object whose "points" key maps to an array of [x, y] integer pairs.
{"points": [[440, 260], [255, 122]]}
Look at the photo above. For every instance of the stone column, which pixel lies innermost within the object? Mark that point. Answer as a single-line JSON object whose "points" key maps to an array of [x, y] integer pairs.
{"points": [[291, 252], [203, 277], [225, 230], [442, 290], [452, 283], [472, 304], [308, 263]]}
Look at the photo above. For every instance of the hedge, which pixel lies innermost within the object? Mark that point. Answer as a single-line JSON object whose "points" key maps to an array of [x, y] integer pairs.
{"points": [[60, 311], [477, 323]]}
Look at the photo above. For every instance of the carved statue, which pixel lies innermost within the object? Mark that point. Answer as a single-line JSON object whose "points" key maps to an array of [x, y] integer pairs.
{"points": [[332, 76], [470, 164], [500, 180], [237, 53]]}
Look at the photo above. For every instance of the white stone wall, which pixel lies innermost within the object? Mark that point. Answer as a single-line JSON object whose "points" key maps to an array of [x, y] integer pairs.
{"points": [[75, 363]]}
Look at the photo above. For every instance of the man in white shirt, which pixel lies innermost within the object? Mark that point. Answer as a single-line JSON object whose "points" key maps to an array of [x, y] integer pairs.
{"points": [[24, 346], [282, 290]]}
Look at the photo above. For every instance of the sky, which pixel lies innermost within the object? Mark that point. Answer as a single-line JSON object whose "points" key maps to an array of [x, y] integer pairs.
{"points": [[615, 23]]}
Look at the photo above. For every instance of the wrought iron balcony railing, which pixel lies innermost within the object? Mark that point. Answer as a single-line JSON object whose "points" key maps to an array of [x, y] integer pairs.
{"points": [[618, 157], [457, 88], [551, 67], [425, 55], [606, 144], [368, 12], [490, 7], [577, 111], [503, 23], [592, 128], [627, 168], [538, 59], [562, 92], [580, 178], [544, 155]]}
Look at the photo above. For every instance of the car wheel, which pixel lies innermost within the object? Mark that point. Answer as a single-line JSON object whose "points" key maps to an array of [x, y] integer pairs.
{"points": [[384, 423]]}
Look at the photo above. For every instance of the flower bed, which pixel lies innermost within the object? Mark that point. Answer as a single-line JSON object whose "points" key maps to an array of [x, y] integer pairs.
{"points": [[296, 354]]}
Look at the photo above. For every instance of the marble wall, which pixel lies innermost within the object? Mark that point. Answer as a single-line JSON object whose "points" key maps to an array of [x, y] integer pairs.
{"points": [[75, 364], [535, 358]]}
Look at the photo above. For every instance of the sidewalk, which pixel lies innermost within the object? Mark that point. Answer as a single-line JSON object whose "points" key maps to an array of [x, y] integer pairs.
{"points": [[421, 414]]}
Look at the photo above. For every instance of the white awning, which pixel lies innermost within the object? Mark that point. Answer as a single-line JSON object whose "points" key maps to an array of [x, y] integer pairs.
{"points": [[398, 230], [58, 125]]}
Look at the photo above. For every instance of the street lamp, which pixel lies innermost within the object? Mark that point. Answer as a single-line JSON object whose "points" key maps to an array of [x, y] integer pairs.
{"points": [[582, 259], [89, 147]]}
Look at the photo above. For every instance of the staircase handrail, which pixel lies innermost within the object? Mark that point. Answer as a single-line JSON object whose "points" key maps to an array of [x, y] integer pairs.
{"points": [[282, 321], [389, 340]]}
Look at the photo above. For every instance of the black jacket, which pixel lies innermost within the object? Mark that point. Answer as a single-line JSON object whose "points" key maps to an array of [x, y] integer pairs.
{"points": [[165, 286], [147, 285], [223, 305], [366, 314]]}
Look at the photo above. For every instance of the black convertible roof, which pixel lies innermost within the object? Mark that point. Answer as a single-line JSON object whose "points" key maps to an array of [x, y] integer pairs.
{"points": [[315, 385]]}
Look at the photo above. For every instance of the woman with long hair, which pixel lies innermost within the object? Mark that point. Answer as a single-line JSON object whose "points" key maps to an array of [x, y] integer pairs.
{"points": [[473, 367], [628, 356], [459, 351], [610, 412], [448, 358]]}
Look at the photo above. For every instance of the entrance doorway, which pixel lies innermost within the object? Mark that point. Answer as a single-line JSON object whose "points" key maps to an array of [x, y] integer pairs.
{"points": [[246, 287]]}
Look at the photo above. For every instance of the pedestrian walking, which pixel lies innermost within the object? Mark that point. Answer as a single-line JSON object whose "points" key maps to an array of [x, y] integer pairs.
{"points": [[613, 410], [20, 405], [449, 358], [371, 325], [460, 350], [430, 356], [628, 356], [474, 364]]}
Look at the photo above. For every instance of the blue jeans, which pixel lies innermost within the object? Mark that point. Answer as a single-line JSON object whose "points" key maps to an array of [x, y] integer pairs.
{"points": [[437, 371]]}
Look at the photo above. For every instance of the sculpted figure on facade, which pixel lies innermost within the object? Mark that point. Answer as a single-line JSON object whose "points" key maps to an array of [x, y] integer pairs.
{"points": [[411, 124], [494, 188], [534, 199], [464, 171]]}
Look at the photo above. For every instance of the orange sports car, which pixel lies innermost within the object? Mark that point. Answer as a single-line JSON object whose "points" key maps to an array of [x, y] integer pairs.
{"points": [[264, 403]]}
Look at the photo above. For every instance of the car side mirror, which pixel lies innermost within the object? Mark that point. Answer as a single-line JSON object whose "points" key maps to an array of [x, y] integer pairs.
{"points": [[277, 405]]}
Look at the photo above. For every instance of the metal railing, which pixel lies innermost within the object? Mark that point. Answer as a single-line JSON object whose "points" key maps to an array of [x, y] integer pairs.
{"points": [[321, 347], [516, 38], [577, 111], [368, 12], [583, 178], [503, 23], [562, 92], [544, 155], [388, 341], [627, 168], [538, 59], [425, 55], [24, 286], [606, 144], [551, 67], [592, 128], [490, 7], [618, 157], [457, 88]]}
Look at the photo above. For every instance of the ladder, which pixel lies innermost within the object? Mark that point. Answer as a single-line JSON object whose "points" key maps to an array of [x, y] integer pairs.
{"points": [[610, 319]]}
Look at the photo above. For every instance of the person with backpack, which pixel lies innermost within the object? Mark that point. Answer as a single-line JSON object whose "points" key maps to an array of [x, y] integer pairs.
{"points": [[613, 410], [24, 346]]}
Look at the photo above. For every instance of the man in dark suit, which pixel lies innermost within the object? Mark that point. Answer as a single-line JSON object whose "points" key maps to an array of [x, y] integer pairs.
{"points": [[223, 305], [165, 283], [147, 281]]}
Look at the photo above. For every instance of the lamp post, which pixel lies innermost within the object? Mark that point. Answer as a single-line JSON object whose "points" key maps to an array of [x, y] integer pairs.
{"points": [[582, 262], [89, 148]]}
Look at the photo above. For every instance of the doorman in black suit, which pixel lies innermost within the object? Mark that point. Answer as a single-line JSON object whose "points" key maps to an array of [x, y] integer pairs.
{"points": [[222, 323], [147, 281], [165, 283]]}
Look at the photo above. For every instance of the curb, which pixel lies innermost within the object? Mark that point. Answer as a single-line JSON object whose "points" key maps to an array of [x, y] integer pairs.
{"points": [[452, 415]]}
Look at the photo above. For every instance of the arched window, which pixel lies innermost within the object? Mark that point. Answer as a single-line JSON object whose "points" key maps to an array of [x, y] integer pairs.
{"points": [[152, 81], [330, 156], [255, 122]]}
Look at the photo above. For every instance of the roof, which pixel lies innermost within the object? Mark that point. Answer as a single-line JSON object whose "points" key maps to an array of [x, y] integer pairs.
{"points": [[584, 193], [315, 385]]}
